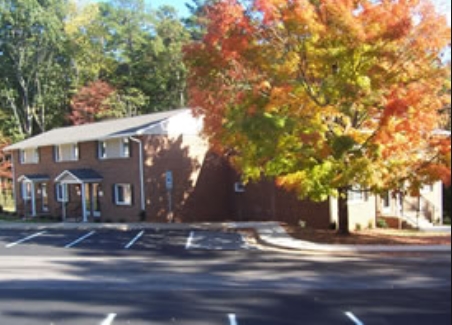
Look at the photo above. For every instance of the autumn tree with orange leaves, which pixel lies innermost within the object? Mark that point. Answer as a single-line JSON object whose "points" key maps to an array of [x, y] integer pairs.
{"points": [[90, 101], [325, 95]]}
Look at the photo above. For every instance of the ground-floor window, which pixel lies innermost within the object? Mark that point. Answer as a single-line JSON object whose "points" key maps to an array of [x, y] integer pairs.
{"points": [[123, 194], [387, 201]]}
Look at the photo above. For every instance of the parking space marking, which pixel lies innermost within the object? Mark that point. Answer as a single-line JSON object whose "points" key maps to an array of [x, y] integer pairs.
{"points": [[109, 320], [25, 239], [79, 240], [190, 240], [233, 319], [354, 318], [133, 241]]}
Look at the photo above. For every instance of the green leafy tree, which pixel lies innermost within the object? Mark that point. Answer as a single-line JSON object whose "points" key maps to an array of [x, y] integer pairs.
{"points": [[33, 62]]}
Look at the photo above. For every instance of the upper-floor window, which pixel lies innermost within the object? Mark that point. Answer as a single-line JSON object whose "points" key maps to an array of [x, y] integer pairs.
{"points": [[114, 148], [29, 156], [357, 195], [66, 152], [427, 189]]}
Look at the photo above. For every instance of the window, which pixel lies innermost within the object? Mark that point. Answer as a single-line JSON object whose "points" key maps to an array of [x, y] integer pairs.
{"points": [[62, 193], [114, 148], [102, 149], [29, 156], [26, 191], [123, 194], [386, 201], [66, 152], [357, 195], [427, 189], [125, 148]]}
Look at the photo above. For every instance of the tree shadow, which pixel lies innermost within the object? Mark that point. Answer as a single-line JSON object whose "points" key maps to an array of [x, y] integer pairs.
{"points": [[201, 190]]}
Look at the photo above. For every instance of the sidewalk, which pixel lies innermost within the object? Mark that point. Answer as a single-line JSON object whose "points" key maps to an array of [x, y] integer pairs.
{"points": [[269, 234]]}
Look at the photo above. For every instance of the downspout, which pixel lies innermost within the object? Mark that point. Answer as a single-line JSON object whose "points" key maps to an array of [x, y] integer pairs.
{"points": [[140, 144], [13, 169]]}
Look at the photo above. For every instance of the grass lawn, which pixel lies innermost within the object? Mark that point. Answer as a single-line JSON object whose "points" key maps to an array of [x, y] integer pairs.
{"points": [[371, 237]]}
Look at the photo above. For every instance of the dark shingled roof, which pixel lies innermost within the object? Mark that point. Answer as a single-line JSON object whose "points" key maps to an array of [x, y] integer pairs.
{"points": [[82, 175]]}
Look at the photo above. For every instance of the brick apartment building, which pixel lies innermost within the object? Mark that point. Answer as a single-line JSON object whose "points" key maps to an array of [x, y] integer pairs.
{"points": [[158, 168]]}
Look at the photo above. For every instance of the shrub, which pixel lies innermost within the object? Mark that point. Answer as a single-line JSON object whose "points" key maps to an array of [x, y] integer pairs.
{"points": [[381, 223], [358, 227], [333, 225], [447, 221], [370, 225]]}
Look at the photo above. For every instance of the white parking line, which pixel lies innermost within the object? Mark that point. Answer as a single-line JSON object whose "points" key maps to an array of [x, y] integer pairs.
{"points": [[354, 318], [133, 241], [109, 320], [80, 240], [190, 240], [233, 319], [25, 239]]}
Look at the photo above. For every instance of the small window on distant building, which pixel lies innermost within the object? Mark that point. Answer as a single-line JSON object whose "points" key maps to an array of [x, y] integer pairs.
{"points": [[387, 201], [427, 189], [357, 195], [67, 152], [125, 148], [29, 156], [123, 194], [114, 148], [102, 150]]}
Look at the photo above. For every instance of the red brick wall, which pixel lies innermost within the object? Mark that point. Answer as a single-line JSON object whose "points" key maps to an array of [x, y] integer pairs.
{"points": [[203, 186], [113, 171], [264, 201]]}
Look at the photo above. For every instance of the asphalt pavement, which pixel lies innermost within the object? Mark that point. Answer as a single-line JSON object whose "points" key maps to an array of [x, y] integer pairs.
{"points": [[58, 242], [194, 276]]}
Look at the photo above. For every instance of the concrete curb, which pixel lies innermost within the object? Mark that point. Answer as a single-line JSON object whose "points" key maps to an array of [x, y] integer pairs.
{"points": [[269, 234]]}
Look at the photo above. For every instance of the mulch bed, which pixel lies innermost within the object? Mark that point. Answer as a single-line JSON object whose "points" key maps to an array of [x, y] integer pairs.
{"points": [[370, 237]]}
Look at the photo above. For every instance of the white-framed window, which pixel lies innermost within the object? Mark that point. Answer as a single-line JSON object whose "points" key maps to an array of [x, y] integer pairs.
{"points": [[102, 149], [29, 156], [26, 191], [357, 195], [62, 192], [428, 189], [125, 148], [67, 152], [239, 187], [114, 148], [123, 194], [386, 200]]}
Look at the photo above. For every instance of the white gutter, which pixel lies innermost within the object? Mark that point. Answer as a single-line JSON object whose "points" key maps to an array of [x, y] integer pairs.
{"points": [[13, 170], [140, 143]]}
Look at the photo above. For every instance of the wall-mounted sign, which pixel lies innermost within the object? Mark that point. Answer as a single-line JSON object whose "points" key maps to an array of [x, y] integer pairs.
{"points": [[169, 180]]}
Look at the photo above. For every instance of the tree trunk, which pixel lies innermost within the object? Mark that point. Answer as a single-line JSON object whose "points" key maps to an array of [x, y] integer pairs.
{"points": [[343, 212]]}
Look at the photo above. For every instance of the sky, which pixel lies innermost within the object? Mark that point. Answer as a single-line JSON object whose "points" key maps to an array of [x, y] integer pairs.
{"points": [[444, 6]]}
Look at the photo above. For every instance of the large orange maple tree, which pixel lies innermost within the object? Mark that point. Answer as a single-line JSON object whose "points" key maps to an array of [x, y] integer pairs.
{"points": [[326, 95]]}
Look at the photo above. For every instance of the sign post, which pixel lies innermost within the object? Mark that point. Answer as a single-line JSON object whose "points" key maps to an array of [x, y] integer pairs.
{"points": [[169, 189]]}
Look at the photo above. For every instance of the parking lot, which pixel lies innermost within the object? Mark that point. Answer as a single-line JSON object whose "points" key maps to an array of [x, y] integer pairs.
{"points": [[13, 242]]}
